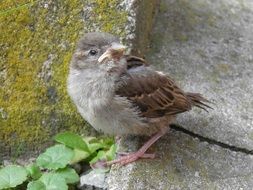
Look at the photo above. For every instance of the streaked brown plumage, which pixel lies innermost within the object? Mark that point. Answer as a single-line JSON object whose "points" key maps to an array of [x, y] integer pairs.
{"points": [[155, 94]]}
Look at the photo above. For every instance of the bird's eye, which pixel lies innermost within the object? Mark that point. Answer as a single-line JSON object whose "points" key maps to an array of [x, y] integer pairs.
{"points": [[92, 52]]}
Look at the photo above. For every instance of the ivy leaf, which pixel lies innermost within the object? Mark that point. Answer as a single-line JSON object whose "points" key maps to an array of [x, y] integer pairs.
{"points": [[55, 157], [36, 185], [68, 174], [34, 171], [11, 176], [79, 155], [72, 140], [53, 181]]}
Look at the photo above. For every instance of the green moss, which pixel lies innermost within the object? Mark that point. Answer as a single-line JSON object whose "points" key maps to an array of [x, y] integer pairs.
{"points": [[107, 16], [37, 40], [19, 94], [163, 7], [9, 6]]}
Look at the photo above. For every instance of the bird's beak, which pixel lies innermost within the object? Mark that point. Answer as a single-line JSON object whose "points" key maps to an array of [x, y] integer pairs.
{"points": [[116, 51]]}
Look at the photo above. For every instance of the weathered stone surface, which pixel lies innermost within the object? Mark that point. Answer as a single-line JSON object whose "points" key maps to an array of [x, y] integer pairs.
{"points": [[206, 46], [37, 39], [184, 162], [93, 180]]}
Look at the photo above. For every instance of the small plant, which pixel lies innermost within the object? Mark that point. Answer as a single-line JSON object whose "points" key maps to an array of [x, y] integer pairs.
{"points": [[51, 169]]}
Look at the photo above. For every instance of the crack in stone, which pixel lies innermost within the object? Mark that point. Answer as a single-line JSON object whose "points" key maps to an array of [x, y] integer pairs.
{"points": [[211, 141]]}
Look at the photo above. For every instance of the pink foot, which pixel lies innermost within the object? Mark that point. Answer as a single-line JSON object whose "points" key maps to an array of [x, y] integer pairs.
{"points": [[131, 157], [126, 159], [140, 153], [146, 155]]}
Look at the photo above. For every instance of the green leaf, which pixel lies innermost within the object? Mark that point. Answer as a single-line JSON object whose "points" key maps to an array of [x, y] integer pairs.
{"points": [[72, 140], [95, 146], [55, 157], [11, 176], [105, 155], [111, 153], [34, 171], [36, 185], [100, 156], [79, 155], [90, 139], [68, 174], [53, 181], [107, 141]]}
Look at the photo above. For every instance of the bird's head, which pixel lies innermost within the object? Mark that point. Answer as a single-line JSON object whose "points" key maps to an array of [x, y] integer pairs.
{"points": [[96, 50]]}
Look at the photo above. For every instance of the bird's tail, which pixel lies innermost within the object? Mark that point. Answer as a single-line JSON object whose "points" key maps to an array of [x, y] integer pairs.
{"points": [[198, 100]]}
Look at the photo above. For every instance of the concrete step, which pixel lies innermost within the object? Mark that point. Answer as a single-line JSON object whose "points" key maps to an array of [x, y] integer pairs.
{"points": [[206, 46]]}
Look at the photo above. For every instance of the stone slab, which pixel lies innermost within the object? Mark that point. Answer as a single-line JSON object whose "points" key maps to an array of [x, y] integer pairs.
{"points": [[206, 46], [183, 162]]}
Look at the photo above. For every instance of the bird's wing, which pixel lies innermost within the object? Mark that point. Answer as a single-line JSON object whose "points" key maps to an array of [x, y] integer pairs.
{"points": [[153, 93]]}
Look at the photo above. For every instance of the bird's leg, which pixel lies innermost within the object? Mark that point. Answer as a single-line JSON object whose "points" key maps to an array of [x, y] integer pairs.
{"points": [[146, 155], [140, 153], [118, 139]]}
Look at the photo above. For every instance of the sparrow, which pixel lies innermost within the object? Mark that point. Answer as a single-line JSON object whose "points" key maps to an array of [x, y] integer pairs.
{"points": [[120, 94]]}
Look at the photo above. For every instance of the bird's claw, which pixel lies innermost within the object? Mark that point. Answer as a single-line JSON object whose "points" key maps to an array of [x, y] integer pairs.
{"points": [[130, 157]]}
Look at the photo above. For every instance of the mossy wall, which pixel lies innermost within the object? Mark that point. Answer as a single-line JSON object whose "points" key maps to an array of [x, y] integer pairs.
{"points": [[37, 40]]}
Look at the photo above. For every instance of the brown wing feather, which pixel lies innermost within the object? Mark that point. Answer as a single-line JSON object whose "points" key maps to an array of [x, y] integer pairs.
{"points": [[154, 94]]}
